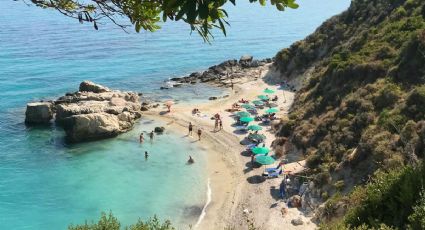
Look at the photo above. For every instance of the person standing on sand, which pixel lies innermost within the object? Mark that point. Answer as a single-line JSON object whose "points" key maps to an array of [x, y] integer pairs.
{"points": [[199, 134], [190, 128], [231, 84], [141, 138], [221, 124], [216, 125]]}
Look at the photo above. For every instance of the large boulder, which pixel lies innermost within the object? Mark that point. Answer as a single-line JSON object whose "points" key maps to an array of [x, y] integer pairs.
{"points": [[88, 86], [39, 112], [95, 112], [94, 126]]}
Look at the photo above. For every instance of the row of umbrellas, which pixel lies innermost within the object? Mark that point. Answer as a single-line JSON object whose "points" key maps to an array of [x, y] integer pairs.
{"points": [[260, 152]]}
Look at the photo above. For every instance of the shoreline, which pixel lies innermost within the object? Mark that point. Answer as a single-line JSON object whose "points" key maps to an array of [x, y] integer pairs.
{"points": [[228, 173]]}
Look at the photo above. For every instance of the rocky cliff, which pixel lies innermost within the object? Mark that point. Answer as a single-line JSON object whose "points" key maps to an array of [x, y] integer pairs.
{"points": [[94, 112], [360, 110]]}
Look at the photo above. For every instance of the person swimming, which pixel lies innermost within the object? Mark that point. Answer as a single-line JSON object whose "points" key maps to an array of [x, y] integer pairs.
{"points": [[190, 161], [146, 155]]}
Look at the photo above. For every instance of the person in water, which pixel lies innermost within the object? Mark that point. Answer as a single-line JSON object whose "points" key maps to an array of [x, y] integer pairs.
{"points": [[190, 161], [199, 134], [146, 155], [190, 128], [141, 138], [151, 134]]}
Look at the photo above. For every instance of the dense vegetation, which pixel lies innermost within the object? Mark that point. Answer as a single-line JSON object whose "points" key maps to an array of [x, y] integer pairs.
{"points": [[201, 16], [109, 222], [360, 116]]}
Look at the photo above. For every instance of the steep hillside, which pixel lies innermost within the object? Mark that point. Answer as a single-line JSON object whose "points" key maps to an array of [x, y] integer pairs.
{"points": [[359, 116]]}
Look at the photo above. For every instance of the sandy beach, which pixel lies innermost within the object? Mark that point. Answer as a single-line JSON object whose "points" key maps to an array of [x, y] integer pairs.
{"points": [[238, 199]]}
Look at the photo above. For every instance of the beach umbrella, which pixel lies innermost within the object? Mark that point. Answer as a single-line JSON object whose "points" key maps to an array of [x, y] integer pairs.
{"points": [[247, 106], [268, 91], [264, 160], [256, 136], [243, 114], [246, 119], [263, 97], [260, 150], [258, 102], [271, 105], [254, 128], [272, 110]]}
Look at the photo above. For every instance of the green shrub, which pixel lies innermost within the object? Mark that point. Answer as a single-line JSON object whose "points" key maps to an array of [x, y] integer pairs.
{"points": [[109, 222], [417, 218]]}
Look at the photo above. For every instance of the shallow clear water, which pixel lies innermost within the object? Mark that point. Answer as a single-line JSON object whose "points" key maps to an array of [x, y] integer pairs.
{"points": [[45, 184]]}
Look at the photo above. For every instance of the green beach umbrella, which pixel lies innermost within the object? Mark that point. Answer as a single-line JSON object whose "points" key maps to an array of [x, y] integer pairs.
{"points": [[255, 128], [264, 160], [260, 150], [246, 119], [268, 91], [243, 114], [258, 102], [272, 110], [247, 106], [257, 136], [263, 97]]}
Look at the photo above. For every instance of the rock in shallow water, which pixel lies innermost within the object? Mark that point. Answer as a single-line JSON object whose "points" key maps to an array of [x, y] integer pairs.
{"points": [[94, 113], [39, 112]]}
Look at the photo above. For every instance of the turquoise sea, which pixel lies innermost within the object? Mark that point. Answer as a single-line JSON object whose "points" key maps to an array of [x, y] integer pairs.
{"points": [[46, 184]]}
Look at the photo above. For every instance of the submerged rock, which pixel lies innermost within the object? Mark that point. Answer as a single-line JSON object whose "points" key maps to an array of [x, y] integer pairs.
{"points": [[39, 113], [159, 130], [96, 112]]}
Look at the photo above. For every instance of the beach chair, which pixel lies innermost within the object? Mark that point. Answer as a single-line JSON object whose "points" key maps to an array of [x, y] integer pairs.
{"points": [[274, 173]]}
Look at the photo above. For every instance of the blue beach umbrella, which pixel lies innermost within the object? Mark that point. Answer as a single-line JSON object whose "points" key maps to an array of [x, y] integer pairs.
{"points": [[258, 102], [254, 128], [272, 110], [246, 119], [260, 150], [263, 97], [247, 106], [264, 160], [268, 91], [243, 114]]}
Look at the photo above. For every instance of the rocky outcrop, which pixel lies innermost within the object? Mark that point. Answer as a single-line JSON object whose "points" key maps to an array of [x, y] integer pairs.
{"points": [[39, 113], [95, 112], [223, 72], [88, 86]]}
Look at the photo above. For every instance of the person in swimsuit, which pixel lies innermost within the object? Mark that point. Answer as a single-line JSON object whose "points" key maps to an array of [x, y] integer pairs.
{"points": [[190, 128], [141, 138], [190, 161], [199, 134], [151, 134]]}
